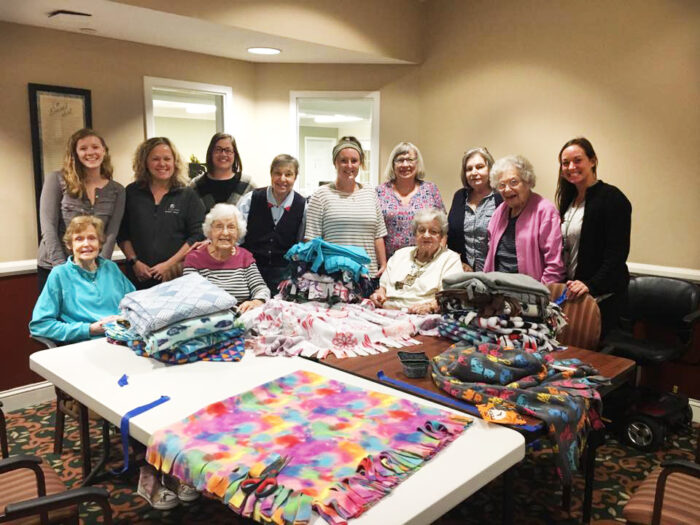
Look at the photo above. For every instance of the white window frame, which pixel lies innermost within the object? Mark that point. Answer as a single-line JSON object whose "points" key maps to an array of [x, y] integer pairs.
{"points": [[371, 95], [168, 83]]}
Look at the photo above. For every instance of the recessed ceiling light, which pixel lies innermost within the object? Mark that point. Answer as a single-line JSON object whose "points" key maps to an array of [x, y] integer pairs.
{"points": [[264, 51]]}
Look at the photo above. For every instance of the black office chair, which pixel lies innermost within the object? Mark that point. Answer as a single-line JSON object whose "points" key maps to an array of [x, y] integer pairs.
{"points": [[29, 487], [660, 326]]}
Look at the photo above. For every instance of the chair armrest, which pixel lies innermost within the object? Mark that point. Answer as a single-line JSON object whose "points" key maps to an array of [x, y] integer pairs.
{"points": [[36, 506], [30, 462], [682, 465], [48, 343], [692, 317], [671, 467]]}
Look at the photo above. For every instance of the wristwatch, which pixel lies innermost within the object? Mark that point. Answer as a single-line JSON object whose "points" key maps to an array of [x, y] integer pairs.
{"points": [[132, 261]]}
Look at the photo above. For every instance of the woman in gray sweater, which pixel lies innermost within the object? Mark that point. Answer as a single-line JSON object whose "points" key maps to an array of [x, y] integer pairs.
{"points": [[83, 186]]}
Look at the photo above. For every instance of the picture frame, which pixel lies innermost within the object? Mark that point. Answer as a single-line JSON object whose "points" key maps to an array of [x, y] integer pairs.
{"points": [[55, 113]]}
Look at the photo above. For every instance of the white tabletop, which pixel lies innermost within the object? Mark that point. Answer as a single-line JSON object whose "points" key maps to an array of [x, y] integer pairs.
{"points": [[90, 372]]}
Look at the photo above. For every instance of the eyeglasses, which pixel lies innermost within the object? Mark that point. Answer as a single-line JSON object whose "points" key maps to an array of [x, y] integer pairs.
{"points": [[513, 183], [227, 151], [400, 160], [422, 230]]}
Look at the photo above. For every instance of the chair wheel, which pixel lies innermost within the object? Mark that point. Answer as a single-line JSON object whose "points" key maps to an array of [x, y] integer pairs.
{"points": [[644, 433]]}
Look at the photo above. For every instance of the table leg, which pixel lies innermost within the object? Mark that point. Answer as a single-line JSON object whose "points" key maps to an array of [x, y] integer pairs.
{"points": [[595, 438], [98, 468], [508, 497], [84, 422]]}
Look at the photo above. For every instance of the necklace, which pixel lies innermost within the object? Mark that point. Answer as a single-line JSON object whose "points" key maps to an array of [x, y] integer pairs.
{"points": [[416, 270]]}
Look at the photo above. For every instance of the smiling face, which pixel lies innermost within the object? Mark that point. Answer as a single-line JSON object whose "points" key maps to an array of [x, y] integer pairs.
{"points": [[406, 166], [476, 171], [85, 245], [282, 180], [224, 234], [576, 167], [161, 163], [347, 165], [223, 155], [90, 152], [514, 191], [429, 237]]}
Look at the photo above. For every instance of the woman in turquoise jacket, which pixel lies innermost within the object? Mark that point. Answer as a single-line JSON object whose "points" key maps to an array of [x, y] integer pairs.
{"points": [[83, 293]]}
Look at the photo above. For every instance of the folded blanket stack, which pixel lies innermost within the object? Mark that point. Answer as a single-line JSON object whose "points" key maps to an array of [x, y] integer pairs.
{"points": [[326, 272], [512, 310], [184, 320], [344, 330]]}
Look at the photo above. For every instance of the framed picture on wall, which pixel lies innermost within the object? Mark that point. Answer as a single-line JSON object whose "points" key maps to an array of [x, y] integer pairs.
{"points": [[55, 113]]}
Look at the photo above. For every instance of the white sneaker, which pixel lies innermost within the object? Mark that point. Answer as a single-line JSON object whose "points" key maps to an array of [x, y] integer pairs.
{"points": [[150, 489], [187, 493]]}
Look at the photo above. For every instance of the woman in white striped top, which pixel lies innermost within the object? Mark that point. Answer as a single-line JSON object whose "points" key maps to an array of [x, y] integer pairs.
{"points": [[347, 213], [223, 263]]}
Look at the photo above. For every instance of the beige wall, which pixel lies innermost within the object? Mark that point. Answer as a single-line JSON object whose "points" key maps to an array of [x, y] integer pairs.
{"points": [[516, 78], [524, 77], [113, 71]]}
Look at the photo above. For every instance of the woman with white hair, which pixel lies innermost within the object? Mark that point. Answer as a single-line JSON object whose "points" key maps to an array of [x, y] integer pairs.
{"points": [[223, 263], [525, 230], [414, 274], [403, 194]]}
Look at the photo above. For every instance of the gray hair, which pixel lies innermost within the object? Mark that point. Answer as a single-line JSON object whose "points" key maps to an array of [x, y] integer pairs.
{"points": [[400, 149], [283, 160], [485, 154], [523, 166], [430, 215], [221, 212]]}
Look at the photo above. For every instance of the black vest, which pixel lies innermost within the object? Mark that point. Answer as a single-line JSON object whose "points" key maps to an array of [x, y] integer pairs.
{"points": [[268, 243]]}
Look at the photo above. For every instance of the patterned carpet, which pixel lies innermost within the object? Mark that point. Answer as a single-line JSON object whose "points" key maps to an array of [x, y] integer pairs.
{"points": [[537, 492]]}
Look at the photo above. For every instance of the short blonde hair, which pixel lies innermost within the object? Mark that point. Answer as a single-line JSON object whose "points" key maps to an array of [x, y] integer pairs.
{"points": [[223, 211], [81, 223]]}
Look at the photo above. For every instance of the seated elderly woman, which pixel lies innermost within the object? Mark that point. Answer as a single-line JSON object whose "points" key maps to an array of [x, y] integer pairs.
{"points": [[414, 274], [84, 292], [223, 263], [525, 231]]}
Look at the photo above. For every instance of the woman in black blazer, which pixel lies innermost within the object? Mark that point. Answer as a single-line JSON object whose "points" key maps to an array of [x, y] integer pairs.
{"points": [[596, 222], [471, 210]]}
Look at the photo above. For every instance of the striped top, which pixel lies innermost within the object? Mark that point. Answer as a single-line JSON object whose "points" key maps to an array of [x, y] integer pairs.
{"points": [[353, 219], [238, 275]]}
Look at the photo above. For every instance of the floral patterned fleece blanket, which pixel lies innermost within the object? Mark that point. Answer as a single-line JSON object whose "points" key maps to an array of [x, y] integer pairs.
{"points": [[303, 442], [343, 330]]}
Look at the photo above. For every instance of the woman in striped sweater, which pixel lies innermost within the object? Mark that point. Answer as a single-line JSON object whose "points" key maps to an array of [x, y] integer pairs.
{"points": [[347, 213], [223, 263]]}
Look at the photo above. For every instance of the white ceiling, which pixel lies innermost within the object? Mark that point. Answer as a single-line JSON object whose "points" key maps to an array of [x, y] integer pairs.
{"points": [[147, 26]]}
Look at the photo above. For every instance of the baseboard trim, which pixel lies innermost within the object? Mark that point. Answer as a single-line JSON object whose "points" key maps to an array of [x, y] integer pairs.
{"points": [[27, 395], [686, 274]]}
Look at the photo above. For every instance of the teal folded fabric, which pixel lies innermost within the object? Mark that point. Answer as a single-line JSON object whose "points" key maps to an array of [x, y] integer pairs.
{"points": [[333, 257]]}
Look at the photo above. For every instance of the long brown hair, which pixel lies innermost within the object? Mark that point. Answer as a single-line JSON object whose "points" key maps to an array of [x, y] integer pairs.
{"points": [[237, 167], [566, 192], [140, 165], [74, 171]]}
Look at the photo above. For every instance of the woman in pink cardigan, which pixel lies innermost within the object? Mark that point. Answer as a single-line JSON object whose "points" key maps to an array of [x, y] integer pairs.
{"points": [[525, 230]]}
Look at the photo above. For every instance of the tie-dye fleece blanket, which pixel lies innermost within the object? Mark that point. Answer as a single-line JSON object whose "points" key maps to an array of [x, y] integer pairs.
{"points": [[303, 442]]}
